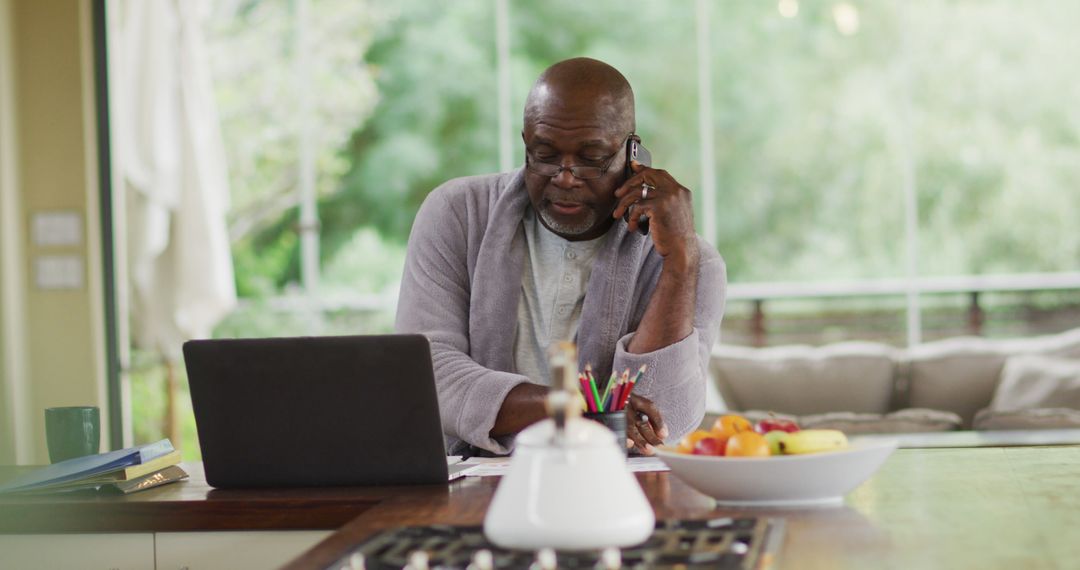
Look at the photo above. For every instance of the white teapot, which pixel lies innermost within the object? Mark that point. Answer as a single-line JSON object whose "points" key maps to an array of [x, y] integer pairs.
{"points": [[568, 486]]}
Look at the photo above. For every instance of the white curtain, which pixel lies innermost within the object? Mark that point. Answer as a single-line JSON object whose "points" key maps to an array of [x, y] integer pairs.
{"points": [[174, 176]]}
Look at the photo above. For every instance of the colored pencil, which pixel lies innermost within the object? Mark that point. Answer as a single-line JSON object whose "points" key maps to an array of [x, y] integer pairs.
{"points": [[619, 396], [592, 386], [592, 395], [630, 386], [610, 404], [585, 392], [624, 397], [622, 380], [605, 398]]}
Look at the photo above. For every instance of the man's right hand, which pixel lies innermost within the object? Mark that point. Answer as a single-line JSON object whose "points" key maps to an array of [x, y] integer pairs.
{"points": [[523, 406]]}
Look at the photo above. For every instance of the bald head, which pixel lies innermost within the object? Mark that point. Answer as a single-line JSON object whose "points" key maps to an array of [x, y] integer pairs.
{"points": [[582, 85]]}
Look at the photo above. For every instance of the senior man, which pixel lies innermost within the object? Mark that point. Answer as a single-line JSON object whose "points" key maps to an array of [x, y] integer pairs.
{"points": [[500, 266]]}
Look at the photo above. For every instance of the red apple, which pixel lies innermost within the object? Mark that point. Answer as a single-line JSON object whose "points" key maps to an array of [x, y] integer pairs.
{"points": [[710, 446], [772, 424]]}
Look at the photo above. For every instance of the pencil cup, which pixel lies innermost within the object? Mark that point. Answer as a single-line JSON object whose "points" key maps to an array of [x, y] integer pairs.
{"points": [[614, 421], [72, 432]]}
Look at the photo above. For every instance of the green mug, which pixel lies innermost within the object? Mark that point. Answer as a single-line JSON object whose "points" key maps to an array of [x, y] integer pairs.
{"points": [[72, 431]]}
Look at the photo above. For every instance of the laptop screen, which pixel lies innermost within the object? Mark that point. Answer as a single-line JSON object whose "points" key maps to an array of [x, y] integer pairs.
{"points": [[316, 411]]}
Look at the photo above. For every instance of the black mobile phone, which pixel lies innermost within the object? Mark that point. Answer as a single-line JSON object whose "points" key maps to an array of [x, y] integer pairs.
{"points": [[635, 151]]}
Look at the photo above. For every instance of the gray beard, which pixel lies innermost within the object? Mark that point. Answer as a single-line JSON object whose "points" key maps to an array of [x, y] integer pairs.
{"points": [[569, 230]]}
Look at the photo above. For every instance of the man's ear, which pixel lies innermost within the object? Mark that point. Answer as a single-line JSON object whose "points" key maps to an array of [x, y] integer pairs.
{"points": [[523, 136]]}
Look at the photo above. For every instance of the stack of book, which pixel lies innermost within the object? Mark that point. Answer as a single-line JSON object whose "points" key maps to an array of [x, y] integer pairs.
{"points": [[122, 471]]}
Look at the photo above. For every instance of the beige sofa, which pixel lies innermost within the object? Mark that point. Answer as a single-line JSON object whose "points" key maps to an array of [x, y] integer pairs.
{"points": [[959, 383]]}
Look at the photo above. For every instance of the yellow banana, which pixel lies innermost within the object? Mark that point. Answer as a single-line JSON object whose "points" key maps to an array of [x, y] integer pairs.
{"points": [[813, 441]]}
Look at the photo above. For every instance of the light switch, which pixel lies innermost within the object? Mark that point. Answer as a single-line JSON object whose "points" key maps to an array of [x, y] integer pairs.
{"points": [[52, 272], [57, 228]]}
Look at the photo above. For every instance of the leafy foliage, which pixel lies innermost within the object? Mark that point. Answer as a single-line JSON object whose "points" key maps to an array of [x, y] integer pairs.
{"points": [[814, 133], [814, 128]]}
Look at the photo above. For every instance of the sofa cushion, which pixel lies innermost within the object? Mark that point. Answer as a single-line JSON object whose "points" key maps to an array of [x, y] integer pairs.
{"points": [[756, 416], [1043, 418], [851, 376], [961, 374], [903, 421], [1033, 381], [911, 420]]}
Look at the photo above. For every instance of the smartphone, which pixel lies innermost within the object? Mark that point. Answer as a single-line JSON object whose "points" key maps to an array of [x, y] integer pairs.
{"points": [[635, 151]]}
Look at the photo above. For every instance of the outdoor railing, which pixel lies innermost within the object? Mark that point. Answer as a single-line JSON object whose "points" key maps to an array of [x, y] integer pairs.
{"points": [[758, 294]]}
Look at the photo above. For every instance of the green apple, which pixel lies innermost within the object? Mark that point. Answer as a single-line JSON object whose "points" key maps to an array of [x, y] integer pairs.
{"points": [[774, 438]]}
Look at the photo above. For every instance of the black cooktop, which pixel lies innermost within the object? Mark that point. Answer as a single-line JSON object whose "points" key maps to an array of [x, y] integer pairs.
{"points": [[722, 543]]}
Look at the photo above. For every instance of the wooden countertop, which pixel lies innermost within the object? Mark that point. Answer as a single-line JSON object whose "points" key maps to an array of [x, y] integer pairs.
{"points": [[985, 508], [191, 505]]}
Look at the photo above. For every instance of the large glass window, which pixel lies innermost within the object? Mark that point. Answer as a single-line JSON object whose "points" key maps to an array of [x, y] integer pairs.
{"points": [[996, 135], [808, 130], [877, 170]]}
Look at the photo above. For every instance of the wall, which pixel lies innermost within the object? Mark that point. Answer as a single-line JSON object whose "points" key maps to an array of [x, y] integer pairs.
{"points": [[10, 244], [58, 333]]}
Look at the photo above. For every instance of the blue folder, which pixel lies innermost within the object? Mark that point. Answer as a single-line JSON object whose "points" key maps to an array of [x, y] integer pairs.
{"points": [[89, 466]]}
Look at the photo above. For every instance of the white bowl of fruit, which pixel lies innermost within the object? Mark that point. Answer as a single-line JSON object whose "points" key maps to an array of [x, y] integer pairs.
{"points": [[773, 463]]}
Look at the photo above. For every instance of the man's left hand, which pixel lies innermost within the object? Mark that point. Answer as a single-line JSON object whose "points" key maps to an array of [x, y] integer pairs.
{"points": [[669, 206], [644, 425]]}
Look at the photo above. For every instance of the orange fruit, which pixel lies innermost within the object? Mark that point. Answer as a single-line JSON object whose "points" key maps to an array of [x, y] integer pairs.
{"points": [[747, 444], [686, 445], [731, 424]]}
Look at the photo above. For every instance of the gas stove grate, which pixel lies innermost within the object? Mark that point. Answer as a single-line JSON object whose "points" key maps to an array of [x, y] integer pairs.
{"points": [[723, 543]]}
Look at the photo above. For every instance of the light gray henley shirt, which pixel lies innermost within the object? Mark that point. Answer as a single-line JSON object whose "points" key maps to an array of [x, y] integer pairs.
{"points": [[553, 282]]}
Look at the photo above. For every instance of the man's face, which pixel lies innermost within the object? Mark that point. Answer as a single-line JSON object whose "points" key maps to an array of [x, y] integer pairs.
{"points": [[573, 208]]}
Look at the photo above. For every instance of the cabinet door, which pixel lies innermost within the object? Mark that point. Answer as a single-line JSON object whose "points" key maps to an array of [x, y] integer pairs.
{"points": [[67, 551], [233, 550]]}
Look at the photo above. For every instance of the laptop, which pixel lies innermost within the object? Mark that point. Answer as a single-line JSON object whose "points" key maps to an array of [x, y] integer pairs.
{"points": [[316, 411]]}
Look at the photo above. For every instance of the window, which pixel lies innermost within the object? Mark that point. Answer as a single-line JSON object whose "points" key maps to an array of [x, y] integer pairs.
{"points": [[878, 170]]}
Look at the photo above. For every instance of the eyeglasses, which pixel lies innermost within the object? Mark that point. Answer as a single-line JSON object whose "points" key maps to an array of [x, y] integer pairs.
{"points": [[550, 170]]}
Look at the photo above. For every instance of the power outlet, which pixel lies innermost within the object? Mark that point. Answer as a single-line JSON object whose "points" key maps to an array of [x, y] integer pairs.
{"points": [[58, 272], [57, 228]]}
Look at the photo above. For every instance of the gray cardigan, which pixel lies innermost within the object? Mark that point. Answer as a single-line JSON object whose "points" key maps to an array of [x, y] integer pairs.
{"points": [[461, 287]]}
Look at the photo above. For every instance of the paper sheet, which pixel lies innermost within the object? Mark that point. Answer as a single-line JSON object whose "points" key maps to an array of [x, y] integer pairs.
{"points": [[498, 466]]}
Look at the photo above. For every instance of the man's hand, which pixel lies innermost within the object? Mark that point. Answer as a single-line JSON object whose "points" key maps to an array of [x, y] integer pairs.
{"points": [[523, 406], [644, 425], [669, 207], [669, 316]]}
